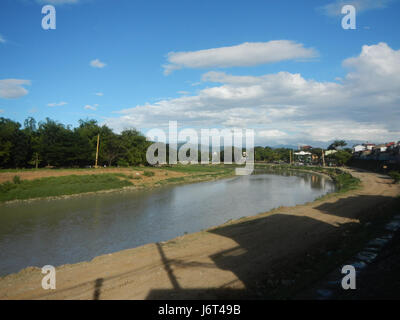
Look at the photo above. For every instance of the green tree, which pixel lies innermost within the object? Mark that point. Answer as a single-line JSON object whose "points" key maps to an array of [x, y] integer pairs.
{"points": [[342, 157], [337, 144]]}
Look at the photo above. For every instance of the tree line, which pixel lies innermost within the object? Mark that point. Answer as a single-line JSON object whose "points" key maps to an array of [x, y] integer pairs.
{"points": [[50, 143], [341, 157]]}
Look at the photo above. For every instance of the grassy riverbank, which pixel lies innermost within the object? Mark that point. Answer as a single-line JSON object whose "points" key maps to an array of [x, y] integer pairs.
{"points": [[42, 183], [344, 181], [59, 186]]}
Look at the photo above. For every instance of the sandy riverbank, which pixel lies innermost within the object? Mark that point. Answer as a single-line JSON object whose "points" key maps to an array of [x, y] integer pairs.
{"points": [[229, 261]]}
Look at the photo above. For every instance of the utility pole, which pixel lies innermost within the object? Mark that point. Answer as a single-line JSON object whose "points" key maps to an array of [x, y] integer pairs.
{"points": [[290, 156], [97, 150], [323, 158]]}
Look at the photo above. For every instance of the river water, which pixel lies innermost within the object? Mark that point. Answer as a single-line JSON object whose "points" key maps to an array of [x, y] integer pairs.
{"points": [[56, 232]]}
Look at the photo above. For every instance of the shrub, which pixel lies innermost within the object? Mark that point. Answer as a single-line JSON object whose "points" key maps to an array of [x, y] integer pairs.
{"points": [[17, 180], [122, 163], [7, 186], [395, 175], [148, 173]]}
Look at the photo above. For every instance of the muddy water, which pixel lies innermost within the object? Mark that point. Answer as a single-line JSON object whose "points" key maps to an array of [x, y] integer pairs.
{"points": [[64, 231]]}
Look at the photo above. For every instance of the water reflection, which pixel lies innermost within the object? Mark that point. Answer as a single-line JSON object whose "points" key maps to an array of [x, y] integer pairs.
{"points": [[78, 229]]}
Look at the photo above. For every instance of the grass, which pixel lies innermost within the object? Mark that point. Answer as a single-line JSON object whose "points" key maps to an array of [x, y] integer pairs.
{"points": [[148, 173], [198, 168], [344, 181], [19, 189], [57, 186], [395, 175]]}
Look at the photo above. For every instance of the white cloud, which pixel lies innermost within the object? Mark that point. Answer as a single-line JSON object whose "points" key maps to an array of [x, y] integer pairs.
{"points": [[89, 107], [97, 64], [100, 94], [57, 104], [335, 8], [272, 133], [2, 39], [245, 54], [286, 107], [13, 88], [1, 111], [184, 93]]}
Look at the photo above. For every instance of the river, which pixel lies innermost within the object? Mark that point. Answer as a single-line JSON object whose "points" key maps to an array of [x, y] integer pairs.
{"points": [[56, 232]]}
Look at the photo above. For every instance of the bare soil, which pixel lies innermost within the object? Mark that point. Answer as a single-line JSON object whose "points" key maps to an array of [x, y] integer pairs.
{"points": [[240, 259]]}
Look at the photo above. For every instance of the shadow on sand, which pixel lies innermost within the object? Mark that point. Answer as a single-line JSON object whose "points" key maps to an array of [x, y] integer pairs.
{"points": [[268, 245]]}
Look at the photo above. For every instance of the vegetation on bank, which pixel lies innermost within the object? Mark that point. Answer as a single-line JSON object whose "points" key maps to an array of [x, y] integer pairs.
{"points": [[341, 156], [20, 189], [344, 181], [198, 173], [59, 186], [395, 175]]}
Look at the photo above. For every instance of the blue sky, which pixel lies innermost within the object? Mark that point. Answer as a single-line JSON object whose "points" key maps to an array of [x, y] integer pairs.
{"points": [[284, 68]]}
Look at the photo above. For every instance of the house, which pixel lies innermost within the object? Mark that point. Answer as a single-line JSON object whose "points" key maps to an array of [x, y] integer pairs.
{"points": [[380, 147], [369, 146], [330, 152], [303, 156], [305, 148], [358, 148]]}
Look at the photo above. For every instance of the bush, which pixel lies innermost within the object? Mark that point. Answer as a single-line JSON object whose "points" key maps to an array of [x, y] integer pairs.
{"points": [[395, 175], [7, 186], [17, 180], [148, 173], [122, 163]]}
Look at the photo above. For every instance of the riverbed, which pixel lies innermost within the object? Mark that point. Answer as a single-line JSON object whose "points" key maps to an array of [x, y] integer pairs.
{"points": [[56, 232]]}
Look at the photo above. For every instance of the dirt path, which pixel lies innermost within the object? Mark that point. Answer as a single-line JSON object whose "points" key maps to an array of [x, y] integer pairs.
{"points": [[229, 261]]}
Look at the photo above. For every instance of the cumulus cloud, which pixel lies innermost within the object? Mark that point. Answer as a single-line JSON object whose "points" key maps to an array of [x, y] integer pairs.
{"points": [[96, 63], [2, 39], [335, 8], [57, 104], [286, 107], [13, 88], [245, 54], [1, 111], [271, 133], [100, 94], [89, 107]]}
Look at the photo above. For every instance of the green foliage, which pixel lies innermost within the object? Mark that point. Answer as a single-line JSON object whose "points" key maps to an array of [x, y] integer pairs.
{"points": [[148, 173], [395, 175], [342, 157], [17, 180], [56, 186], [337, 144], [53, 144], [122, 163], [270, 155], [345, 181]]}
